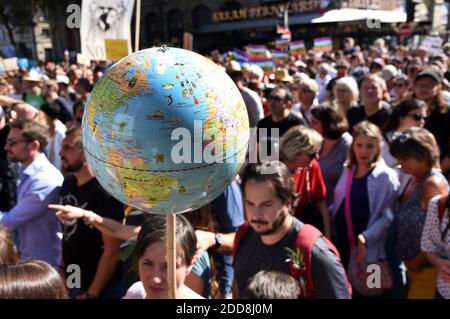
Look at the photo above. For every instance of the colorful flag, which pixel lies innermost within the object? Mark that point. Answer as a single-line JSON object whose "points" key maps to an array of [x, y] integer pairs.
{"points": [[297, 47], [278, 54], [268, 65], [239, 55], [282, 44], [257, 51], [323, 44]]}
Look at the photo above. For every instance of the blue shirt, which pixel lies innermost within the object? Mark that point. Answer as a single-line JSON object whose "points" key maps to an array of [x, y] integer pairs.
{"points": [[202, 268], [229, 214], [38, 229]]}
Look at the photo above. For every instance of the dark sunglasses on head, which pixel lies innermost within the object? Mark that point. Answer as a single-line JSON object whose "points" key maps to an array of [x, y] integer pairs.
{"points": [[401, 137]]}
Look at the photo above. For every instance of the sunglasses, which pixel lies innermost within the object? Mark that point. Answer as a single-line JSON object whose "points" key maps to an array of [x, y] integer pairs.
{"points": [[417, 117], [276, 98], [402, 137]]}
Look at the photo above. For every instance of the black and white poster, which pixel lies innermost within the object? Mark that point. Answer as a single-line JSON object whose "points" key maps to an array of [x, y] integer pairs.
{"points": [[104, 19]]}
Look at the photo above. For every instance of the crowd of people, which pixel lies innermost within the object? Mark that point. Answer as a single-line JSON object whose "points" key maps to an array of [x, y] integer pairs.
{"points": [[356, 174]]}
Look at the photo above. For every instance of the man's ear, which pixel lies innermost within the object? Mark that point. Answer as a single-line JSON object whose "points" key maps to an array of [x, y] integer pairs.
{"points": [[35, 145]]}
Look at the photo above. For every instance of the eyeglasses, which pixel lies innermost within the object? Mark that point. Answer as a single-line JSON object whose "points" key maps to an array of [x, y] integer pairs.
{"points": [[417, 117], [13, 142]]}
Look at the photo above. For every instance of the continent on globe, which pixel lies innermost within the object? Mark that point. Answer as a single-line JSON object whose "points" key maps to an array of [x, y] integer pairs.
{"points": [[132, 125]]}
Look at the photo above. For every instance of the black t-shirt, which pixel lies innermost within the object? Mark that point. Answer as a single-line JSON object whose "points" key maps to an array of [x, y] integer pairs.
{"points": [[9, 174], [283, 126], [358, 114], [265, 138], [253, 256], [83, 245]]}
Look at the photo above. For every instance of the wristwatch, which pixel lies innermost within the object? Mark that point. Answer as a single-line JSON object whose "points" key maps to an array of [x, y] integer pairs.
{"points": [[218, 239]]}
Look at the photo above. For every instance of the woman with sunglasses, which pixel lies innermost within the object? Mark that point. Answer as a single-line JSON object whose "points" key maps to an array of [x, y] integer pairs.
{"points": [[409, 113], [417, 152]]}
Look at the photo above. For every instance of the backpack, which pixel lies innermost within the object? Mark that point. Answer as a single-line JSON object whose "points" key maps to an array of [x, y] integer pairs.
{"points": [[305, 240]]}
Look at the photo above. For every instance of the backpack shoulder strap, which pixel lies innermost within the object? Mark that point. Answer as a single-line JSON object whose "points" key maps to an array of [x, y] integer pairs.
{"points": [[239, 235], [306, 238]]}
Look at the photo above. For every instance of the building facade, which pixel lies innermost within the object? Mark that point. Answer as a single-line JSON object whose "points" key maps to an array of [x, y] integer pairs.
{"points": [[224, 24]]}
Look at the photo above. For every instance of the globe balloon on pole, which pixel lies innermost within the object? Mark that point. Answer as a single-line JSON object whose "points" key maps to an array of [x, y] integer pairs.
{"points": [[165, 130]]}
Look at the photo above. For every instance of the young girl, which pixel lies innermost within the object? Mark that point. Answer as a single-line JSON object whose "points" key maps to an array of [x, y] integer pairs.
{"points": [[151, 255], [373, 188], [198, 280]]}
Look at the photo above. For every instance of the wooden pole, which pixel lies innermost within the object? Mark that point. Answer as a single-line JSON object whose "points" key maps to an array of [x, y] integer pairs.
{"points": [[138, 25], [171, 255]]}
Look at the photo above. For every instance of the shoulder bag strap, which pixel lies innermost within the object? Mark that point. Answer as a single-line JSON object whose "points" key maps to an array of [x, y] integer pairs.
{"points": [[348, 216]]}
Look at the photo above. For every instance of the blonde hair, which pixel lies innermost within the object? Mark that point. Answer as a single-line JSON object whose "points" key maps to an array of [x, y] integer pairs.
{"points": [[348, 83], [311, 84], [368, 129], [300, 139], [373, 78]]}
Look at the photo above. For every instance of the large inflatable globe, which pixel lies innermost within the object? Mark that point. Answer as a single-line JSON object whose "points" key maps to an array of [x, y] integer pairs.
{"points": [[165, 130]]}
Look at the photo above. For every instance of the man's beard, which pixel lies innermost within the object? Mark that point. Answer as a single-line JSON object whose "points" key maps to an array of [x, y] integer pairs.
{"points": [[75, 167], [275, 226]]}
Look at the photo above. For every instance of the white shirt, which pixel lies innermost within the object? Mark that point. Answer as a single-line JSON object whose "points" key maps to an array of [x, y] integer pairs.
{"points": [[54, 144], [136, 291]]}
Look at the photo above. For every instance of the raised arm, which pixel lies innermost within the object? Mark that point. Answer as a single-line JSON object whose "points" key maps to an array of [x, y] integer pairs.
{"points": [[107, 226]]}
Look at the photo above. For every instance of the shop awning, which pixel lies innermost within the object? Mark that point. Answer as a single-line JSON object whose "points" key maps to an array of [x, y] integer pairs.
{"points": [[344, 15]]}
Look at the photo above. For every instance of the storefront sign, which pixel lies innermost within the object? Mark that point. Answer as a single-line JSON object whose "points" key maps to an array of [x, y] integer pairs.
{"points": [[266, 11]]}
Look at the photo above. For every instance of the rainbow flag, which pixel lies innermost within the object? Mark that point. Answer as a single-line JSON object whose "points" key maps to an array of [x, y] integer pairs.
{"points": [[297, 48], [268, 65], [279, 56], [239, 55], [257, 51], [281, 44], [324, 44]]}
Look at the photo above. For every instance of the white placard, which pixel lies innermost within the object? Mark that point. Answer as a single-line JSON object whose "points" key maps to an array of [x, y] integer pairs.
{"points": [[104, 19]]}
